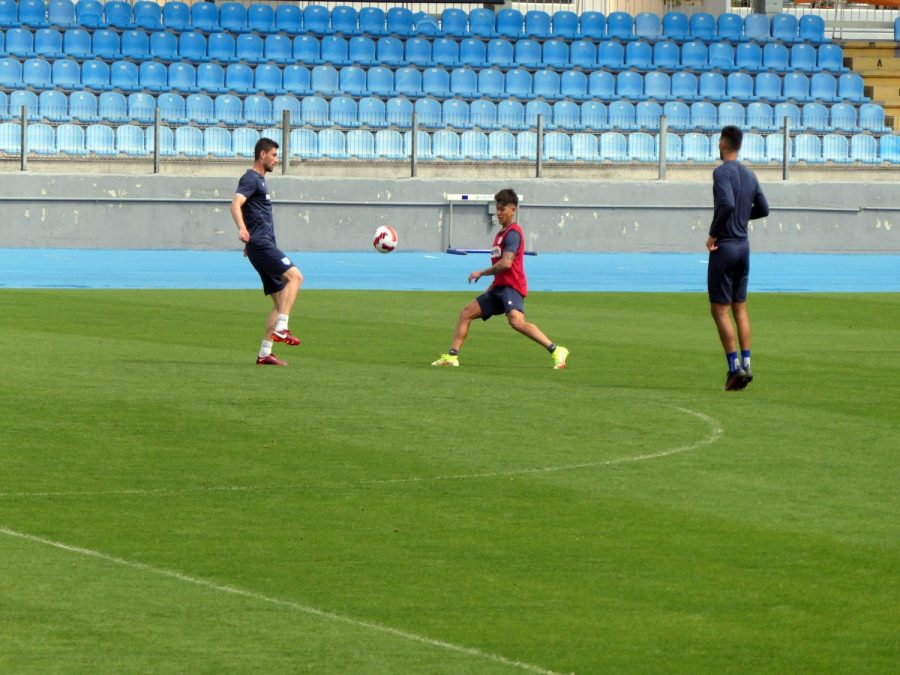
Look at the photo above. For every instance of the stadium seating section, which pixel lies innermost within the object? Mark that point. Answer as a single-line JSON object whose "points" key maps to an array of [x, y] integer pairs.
{"points": [[94, 76]]}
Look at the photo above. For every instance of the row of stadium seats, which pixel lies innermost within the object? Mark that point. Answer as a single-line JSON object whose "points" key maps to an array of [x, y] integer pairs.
{"points": [[73, 140], [588, 54], [398, 111], [482, 22], [521, 83]]}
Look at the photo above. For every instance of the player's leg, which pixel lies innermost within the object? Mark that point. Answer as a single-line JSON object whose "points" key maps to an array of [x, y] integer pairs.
{"points": [[721, 286], [284, 299], [742, 319], [265, 356], [467, 315], [514, 305]]}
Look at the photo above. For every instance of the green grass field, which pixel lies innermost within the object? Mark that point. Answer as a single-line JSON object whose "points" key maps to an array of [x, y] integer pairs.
{"points": [[167, 506]]}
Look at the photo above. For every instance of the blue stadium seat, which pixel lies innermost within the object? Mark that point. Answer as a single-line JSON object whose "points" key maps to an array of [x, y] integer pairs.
{"points": [[455, 113], [842, 117], [70, 139], [171, 108], [399, 112], [657, 85], [10, 138], [502, 146], [48, 43], [775, 148], [176, 15], [261, 18], [594, 116], [585, 147], [288, 19], [445, 51], [642, 147], [258, 110], [684, 86], [630, 85], [418, 52], [647, 26], [558, 147], [808, 148], [361, 51], [279, 49], [200, 109], [361, 144], [583, 54], [317, 19], [429, 113], [37, 74], [871, 118], [803, 58], [389, 144], [491, 83], [739, 86], [183, 78], [510, 23], [528, 53], [372, 21], [775, 57], [445, 145], [526, 146], [620, 25], [472, 52], [567, 115], [555, 54], [712, 86], [345, 20], [249, 47], [483, 114], [748, 56], [673, 147], [676, 26], [9, 14], [147, 15], [408, 82], [756, 27], [695, 147], [135, 45], [647, 114], [537, 24], [823, 87], [112, 107], [592, 25], [538, 109], [730, 26], [164, 46], [436, 82], [389, 51], [20, 43], [767, 87], [130, 140], [611, 55], [211, 78], [141, 107], [564, 24], [54, 106], [335, 50], [353, 81], [239, 78], [325, 80], [836, 149], [831, 58], [77, 43], [66, 74], [304, 144], [638, 54], [106, 45], [812, 28], [229, 109], [785, 27], [99, 139], [760, 115], [666, 55], [217, 142], [500, 53], [189, 142], [204, 16], [613, 147], [678, 115], [153, 76], [220, 47], [545, 84], [621, 115], [372, 112], [61, 13], [296, 80], [82, 106], [380, 81], [890, 148], [399, 21], [233, 17], [455, 22], [791, 111], [266, 79], [118, 15], [482, 23], [732, 113], [704, 115], [795, 86], [703, 26], [474, 145], [511, 114], [33, 13], [307, 50], [573, 84], [40, 139], [333, 144], [851, 88], [519, 83], [864, 148], [721, 57], [602, 85], [291, 104], [753, 148], [24, 100]]}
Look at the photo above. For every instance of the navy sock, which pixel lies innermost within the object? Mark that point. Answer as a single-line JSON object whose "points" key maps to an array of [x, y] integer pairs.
{"points": [[551, 347], [732, 361], [453, 352], [745, 358]]}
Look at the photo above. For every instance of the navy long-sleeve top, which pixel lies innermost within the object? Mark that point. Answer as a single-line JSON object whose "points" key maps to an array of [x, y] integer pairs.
{"points": [[738, 199]]}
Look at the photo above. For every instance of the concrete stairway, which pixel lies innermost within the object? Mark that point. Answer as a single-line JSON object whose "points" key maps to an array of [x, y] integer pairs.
{"points": [[879, 64]]}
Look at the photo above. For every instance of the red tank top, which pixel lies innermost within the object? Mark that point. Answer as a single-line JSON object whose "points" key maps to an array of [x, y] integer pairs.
{"points": [[515, 275]]}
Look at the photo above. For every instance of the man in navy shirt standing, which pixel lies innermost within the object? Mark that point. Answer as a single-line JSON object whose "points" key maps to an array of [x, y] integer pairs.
{"points": [[738, 199], [251, 209]]}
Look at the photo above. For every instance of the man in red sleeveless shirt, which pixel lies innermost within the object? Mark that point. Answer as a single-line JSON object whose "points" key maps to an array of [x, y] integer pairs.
{"points": [[506, 295]]}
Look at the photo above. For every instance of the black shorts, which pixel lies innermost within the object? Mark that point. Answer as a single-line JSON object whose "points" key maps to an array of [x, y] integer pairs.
{"points": [[271, 264], [728, 272], [500, 300]]}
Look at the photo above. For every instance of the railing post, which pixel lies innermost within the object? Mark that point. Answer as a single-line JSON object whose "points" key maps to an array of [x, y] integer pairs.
{"points": [[663, 132], [414, 146], [285, 141], [23, 154], [786, 151], [539, 162], [156, 135]]}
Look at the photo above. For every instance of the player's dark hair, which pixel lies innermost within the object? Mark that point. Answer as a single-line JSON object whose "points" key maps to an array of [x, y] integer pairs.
{"points": [[733, 137], [263, 145], [507, 196]]}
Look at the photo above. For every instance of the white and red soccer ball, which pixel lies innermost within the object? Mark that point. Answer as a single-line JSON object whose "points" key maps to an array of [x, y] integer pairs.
{"points": [[385, 239]]}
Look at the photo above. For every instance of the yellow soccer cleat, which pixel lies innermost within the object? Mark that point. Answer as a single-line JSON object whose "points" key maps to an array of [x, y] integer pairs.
{"points": [[447, 360], [560, 354]]}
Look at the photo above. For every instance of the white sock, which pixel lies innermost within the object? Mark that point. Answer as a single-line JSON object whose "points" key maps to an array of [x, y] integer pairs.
{"points": [[265, 349], [282, 323]]}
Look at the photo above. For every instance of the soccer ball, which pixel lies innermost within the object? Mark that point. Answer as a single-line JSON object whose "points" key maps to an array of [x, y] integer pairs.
{"points": [[385, 239]]}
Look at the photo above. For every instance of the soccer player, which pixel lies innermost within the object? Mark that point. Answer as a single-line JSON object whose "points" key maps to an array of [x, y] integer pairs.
{"points": [[251, 209], [506, 295], [737, 200]]}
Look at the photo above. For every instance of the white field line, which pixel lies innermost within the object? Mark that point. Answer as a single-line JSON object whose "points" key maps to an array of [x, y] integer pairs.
{"points": [[305, 609], [715, 431]]}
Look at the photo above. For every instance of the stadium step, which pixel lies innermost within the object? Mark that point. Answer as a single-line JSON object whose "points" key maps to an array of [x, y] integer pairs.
{"points": [[879, 65]]}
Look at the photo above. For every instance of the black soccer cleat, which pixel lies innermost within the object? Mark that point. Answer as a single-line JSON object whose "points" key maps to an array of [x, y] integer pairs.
{"points": [[734, 381], [748, 378]]}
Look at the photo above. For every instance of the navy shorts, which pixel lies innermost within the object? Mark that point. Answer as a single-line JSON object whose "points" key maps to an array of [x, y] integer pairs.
{"points": [[729, 269], [500, 300], [271, 264]]}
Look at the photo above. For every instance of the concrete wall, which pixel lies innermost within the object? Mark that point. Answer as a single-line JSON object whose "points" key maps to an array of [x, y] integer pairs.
{"points": [[178, 212]]}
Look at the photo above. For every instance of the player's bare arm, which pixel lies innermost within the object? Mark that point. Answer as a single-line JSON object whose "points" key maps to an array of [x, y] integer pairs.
{"points": [[505, 263], [238, 217]]}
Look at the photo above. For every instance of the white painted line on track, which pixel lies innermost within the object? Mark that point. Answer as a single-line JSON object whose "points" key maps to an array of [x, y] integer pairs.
{"points": [[305, 609]]}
